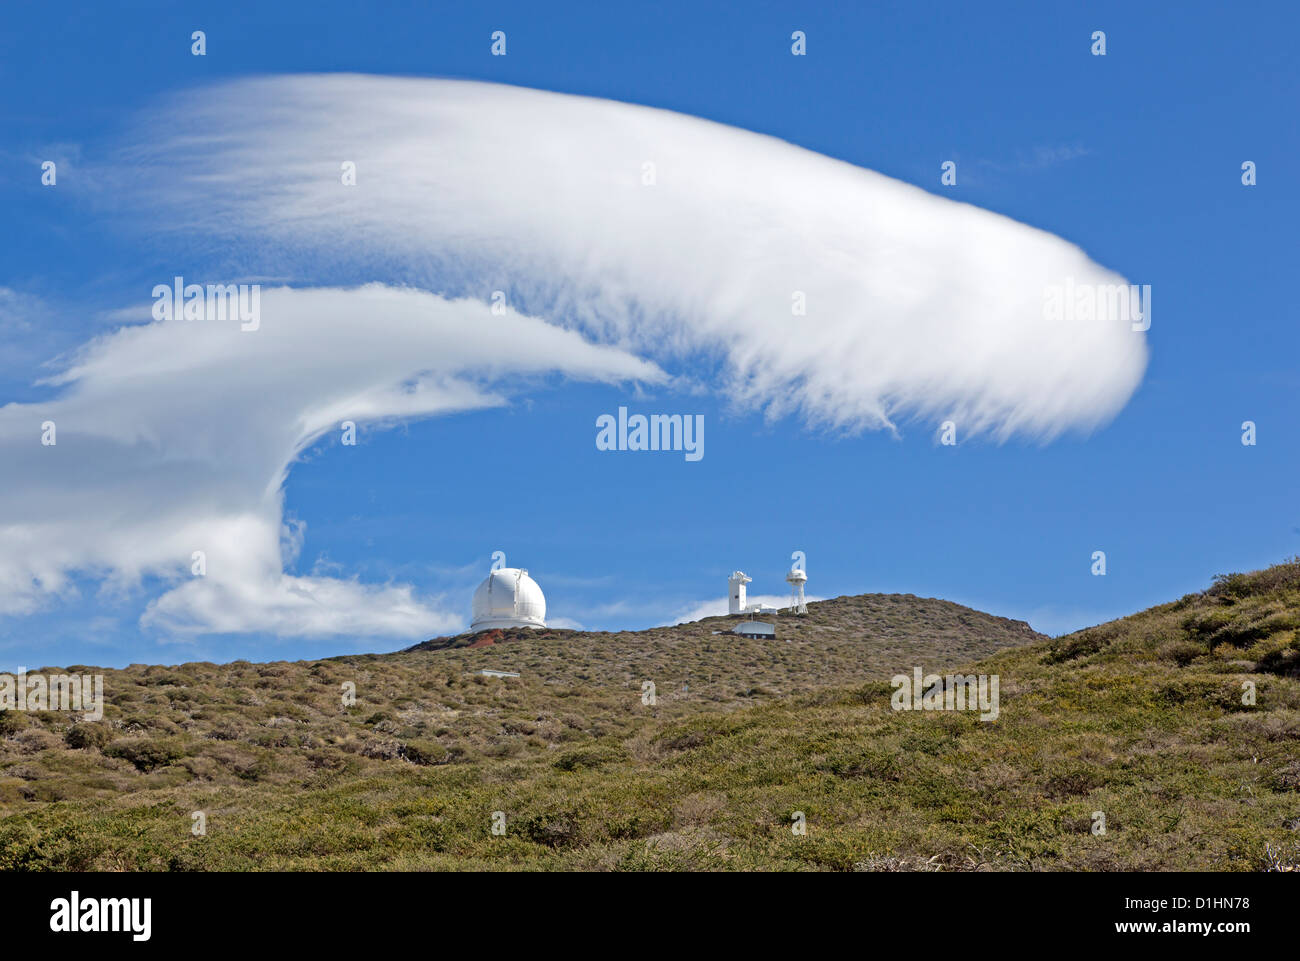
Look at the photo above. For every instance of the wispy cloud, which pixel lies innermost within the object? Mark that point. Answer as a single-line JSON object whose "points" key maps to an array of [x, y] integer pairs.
{"points": [[627, 240], [177, 436], [916, 306]]}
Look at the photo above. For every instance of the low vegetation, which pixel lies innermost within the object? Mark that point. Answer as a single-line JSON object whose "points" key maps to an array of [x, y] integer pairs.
{"points": [[1146, 723]]}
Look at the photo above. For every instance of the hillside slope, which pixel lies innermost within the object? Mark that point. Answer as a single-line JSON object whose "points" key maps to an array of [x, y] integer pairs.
{"points": [[1141, 719]]}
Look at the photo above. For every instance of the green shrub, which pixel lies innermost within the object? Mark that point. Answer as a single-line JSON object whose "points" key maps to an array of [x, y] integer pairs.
{"points": [[424, 752], [1284, 661], [586, 757], [1181, 653], [90, 735], [1074, 646], [879, 765], [146, 753]]}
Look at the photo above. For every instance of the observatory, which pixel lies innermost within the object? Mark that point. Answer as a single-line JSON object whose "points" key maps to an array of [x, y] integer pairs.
{"points": [[736, 592], [508, 598], [737, 603], [796, 579]]}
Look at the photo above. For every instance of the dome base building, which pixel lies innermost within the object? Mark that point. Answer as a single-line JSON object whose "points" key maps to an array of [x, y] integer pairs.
{"points": [[508, 598]]}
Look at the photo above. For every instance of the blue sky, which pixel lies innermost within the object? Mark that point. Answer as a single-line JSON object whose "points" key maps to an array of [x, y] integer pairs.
{"points": [[1135, 157]]}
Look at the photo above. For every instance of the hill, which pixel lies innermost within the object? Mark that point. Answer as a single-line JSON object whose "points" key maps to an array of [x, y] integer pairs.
{"points": [[1141, 719]]}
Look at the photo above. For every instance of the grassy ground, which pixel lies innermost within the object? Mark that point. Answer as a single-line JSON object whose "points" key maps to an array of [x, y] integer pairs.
{"points": [[1142, 719]]}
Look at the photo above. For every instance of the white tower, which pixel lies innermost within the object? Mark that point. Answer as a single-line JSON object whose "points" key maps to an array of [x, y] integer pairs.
{"points": [[508, 598], [796, 579], [736, 594]]}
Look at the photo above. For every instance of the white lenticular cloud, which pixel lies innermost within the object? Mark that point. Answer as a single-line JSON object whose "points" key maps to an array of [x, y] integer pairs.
{"points": [[664, 233], [627, 239], [176, 436]]}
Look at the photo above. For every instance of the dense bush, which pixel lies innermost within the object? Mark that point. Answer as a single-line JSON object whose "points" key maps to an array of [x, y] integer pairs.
{"points": [[1181, 653], [146, 753], [425, 752], [89, 735]]}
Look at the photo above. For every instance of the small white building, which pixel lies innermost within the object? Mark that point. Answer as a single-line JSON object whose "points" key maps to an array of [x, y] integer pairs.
{"points": [[737, 603], [508, 598], [736, 592], [759, 630]]}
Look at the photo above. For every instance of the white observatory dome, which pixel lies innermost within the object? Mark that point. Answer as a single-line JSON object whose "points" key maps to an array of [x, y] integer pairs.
{"points": [[508, 598]]}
